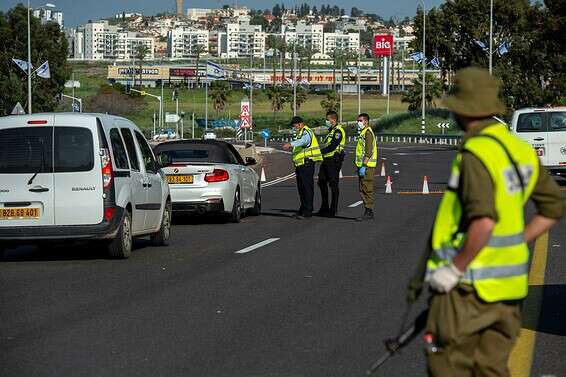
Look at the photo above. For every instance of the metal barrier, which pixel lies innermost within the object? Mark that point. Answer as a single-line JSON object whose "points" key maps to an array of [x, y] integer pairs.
{"points": [[402, 138]]}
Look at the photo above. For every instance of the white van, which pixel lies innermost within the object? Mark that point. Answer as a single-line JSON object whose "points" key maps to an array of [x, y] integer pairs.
{"points": [[69, 176], [545, 130]]}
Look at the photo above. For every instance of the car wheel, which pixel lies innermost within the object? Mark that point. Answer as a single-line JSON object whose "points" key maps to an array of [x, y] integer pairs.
{"points": [[161, 238], [256, 209], [121, 246], [236, 215]]}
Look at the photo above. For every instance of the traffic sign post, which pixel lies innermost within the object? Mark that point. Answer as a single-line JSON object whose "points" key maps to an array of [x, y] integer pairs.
{"points": [[265, 134], [245, 116], [443, 126]]}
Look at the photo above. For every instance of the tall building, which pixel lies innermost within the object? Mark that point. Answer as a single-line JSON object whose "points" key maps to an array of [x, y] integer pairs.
{"points": [[306, 36], [180, 12], [242, 40], [104, 41], [46, 14], [183, 41], [341, 42]]}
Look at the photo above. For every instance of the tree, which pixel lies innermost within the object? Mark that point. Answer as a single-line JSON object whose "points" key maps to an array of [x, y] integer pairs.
{"points": [[275, 43], [331, 103], [140, 52], [276, 11], [48, 43], [198, 51], [413, 96], [219, 95], [278, 97], [112, 100], [301, 97], [355, 12]]}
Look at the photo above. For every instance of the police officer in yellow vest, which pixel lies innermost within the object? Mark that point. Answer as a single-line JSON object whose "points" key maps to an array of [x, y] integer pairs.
{"points": [[478, 260], [366, 162], [329, 173], [306, 152]]}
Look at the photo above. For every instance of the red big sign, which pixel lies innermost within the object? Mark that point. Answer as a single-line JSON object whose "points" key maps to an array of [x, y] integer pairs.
{"points": [[383, 45]]}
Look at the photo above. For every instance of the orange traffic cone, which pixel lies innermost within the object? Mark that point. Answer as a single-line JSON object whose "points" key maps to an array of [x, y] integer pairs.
{"points": [[383, 169], [425, 185], [388, 184]]}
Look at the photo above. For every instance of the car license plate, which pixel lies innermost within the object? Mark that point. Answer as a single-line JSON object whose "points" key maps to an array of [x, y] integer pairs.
{"points": [[180, 179], [19, 213]]}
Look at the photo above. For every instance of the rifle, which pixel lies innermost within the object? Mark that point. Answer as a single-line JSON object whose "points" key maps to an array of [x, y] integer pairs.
{"points": [[393, 345]]}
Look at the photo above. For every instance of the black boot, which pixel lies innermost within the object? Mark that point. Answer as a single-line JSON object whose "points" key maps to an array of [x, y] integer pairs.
{"points": [[368, 215]]}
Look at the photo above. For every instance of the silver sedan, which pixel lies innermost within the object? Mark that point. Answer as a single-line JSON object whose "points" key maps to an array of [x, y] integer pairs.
{"points": [[210, 176]]}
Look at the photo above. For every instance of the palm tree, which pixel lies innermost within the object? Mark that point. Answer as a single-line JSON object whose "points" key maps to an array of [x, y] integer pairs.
{"points": [[301, 97], [141, 52], [198, 51], [309, 52], [219, 95], [331, 103], [278, 97], [274, 43], [413, 96]]}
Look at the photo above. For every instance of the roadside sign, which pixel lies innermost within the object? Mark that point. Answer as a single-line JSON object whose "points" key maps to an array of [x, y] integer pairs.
{"points": [[18, 109], [265, 133], [72, 84], [383, 45], [76, 107], [171, 118], [245, 116]]}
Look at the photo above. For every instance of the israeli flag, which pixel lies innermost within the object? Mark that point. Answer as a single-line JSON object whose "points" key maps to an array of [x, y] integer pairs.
{"points": [[214, 71], [22, 64], [247, 86], [482, 45], [43, 70], [290, 81], [435, 62], [417, 56], [502, 49]]}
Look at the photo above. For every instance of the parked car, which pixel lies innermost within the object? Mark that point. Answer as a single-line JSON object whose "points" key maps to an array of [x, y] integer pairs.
{"points": [[207, 176], [80, 177], [209, 135], [545, 130]]}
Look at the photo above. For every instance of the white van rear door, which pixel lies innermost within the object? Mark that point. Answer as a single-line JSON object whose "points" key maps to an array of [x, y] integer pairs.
{"points": [[26, 171], [556, 138], [77, 171], [531, 127]]}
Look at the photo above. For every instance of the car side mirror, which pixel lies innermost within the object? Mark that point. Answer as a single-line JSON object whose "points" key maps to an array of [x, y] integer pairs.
{"points": [[164, 160], [250, 161]]}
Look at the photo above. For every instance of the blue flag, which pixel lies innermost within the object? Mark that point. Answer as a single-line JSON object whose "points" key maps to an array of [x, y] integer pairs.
{"points": [[43, 70], [435, 62], [417, 56], [482, 45], [503, 49], [22, 64]]}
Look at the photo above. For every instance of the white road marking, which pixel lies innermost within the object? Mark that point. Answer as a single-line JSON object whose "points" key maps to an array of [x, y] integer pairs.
{"points": [[353, 205], [278, 180], [256, 246]]}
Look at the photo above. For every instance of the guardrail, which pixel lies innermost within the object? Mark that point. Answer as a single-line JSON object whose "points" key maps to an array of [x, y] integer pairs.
{"points": [[402, 138]]}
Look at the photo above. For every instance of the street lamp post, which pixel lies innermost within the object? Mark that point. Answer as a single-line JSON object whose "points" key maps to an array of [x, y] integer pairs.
{"points": [[29, 60], [295, 78], [491, 38], [423, 115]]}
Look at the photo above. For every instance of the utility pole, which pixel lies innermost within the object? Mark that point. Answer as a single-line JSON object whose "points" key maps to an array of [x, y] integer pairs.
{"points": [[294, 78], [206, 106], [29, 60], [423, 115], [341, 83], [251, 84], [359, 82], [491, 38]]}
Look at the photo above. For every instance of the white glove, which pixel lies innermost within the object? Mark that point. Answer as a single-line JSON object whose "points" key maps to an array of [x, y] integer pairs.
{"points": [[445, 278]]}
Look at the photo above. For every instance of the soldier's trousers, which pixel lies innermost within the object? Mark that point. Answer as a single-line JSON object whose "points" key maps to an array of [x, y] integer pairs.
{"points": [[366, 188], [474, 338]]}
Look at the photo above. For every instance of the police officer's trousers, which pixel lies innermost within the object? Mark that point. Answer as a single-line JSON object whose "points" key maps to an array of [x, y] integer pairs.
{"points": [[305, 186], [329, 176]]}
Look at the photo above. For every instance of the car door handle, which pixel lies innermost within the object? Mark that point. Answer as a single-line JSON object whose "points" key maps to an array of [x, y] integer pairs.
{"points": [[538, 139], [39, 189]]}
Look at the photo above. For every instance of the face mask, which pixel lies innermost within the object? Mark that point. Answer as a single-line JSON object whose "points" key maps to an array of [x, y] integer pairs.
{"points": [[327, 124], [360, 126]]}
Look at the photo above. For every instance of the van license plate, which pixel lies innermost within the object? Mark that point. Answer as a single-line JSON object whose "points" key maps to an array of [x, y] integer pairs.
{"points": [[180, 179], [19, 213]]}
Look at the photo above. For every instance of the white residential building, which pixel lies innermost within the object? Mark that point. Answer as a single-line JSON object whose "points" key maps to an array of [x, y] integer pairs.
{"points": [[341, 42], [104, 41], [194, 14], [183, 41], [49, 15], [307, 36], [128, 44], [242, 40]]}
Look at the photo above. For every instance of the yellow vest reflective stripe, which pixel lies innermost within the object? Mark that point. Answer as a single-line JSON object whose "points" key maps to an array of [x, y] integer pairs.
{"points": [[311, 152], [500, 270], [330, 136], [361, 150]]}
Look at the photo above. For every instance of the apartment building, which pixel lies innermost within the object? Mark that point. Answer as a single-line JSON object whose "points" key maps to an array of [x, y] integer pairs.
{"points": [[306, 36], [183, 42], [104, 41], [341, 42], [46, 14], [242, 41], [194, 14]]}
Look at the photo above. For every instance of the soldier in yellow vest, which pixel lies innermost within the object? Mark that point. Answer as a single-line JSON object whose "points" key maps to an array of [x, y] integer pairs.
{"points": [[305, 153], [366, 162], [329, 173], [478, 262]]}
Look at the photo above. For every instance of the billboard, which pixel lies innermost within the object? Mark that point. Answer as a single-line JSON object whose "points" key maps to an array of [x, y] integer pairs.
{"points": [[383, 45], [182, 72]]}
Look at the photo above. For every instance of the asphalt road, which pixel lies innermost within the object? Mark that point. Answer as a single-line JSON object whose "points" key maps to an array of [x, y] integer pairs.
{"points": [[316, 301]]}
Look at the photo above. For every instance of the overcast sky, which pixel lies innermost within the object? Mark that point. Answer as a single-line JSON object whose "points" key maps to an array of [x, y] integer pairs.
{"points": [[80, 11]]}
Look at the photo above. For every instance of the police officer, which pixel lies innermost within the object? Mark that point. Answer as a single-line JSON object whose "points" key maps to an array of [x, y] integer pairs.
{"points": [[333, 155], [366, 162], [306, 152], [478, 260]]}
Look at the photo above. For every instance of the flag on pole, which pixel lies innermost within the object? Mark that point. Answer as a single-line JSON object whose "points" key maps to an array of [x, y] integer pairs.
{"points": [[482, 45], [503, 48], [247, 86], [417, 56], [43, 70], [435, 62], [214, 71], [22, 64]]}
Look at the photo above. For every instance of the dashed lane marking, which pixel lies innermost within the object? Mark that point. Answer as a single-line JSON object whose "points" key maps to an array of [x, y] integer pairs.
{"points": [[257, 246], [521, 359], [353, 205]]}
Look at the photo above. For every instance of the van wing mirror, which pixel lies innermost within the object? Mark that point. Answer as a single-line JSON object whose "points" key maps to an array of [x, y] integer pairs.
{"points": [[164, 160], [250, 161]]}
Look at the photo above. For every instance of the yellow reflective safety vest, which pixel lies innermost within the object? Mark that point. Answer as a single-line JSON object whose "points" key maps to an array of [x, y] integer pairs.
{"points": [[330, 136], [500, 270], [361, 150], [310, 152]]}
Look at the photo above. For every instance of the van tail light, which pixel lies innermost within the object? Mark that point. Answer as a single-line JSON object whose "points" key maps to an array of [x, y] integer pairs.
{"points": [[106, 163], [109, 213], [218, 175]]}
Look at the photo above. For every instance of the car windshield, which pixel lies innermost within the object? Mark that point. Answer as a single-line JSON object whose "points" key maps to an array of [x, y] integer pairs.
{"points": [[196, 152]]}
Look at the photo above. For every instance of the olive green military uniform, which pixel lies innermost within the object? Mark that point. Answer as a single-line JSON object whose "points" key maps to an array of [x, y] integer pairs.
{"points": [[471, 344], [366, 182]]}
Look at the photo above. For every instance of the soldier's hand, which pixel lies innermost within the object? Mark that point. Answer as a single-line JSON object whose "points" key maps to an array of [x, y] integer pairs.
{"points": [[445, 278]]}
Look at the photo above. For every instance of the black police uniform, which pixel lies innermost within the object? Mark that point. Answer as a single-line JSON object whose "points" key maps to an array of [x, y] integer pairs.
{"points": [[329, 175]]}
